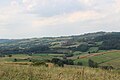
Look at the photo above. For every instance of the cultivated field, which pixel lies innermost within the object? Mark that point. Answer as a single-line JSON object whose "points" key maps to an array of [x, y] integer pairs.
{"points": [[104, 58]]}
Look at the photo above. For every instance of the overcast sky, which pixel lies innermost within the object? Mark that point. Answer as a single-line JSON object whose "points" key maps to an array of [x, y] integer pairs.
{"points": [[39, 18]]}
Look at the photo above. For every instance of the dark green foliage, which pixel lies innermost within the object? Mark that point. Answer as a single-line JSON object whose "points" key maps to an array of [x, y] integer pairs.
{"points": [[38, 48], [15, 60], [92, 64], [69, 55], [107, 67], [79, 63], [68, 62], [30, 60], [58, 62], [9, 55], [110, 41], [55, 60], [89, 52], [101, 40], [83, 47], [110, 44]]}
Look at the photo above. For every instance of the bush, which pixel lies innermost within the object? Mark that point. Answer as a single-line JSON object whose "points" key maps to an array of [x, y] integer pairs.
{"points": [[9, 55], [55, 60], [58, 62], [68, 61], [92, 64], [15, 60]]}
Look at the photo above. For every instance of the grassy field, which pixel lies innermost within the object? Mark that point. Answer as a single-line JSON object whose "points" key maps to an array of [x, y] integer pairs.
{"points": [[106, 58], [103, 58], [23, 57], [23, 72]]}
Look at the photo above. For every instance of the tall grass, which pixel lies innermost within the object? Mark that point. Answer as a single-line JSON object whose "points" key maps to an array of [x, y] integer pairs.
{"points": [[23, 72]]}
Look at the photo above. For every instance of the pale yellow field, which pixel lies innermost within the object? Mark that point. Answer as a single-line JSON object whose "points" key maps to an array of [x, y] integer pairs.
{"points": [[26, 72]]}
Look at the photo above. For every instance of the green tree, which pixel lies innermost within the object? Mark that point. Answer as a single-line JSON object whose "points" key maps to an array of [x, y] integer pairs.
{"points": [[15, 60], [92, 64], [9, 55]]}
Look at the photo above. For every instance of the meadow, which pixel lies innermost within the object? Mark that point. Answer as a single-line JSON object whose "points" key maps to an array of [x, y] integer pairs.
{"points": [[108, 58], [27, 72], [22, 69]]}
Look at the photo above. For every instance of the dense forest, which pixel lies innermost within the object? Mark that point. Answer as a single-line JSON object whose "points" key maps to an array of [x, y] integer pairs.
{"points": [[65, 44]]}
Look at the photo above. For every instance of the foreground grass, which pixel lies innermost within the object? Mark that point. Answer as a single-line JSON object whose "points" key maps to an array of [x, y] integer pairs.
{"points": [[22, 72]]}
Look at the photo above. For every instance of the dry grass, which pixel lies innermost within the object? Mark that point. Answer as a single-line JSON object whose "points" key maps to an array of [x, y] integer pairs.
{"points": [[25, 72]]}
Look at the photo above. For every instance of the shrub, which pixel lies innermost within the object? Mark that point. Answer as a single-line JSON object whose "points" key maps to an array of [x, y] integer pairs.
{"points": [[9, 55], [58, 62], [55, 60], [68, 62], [92, 64], [15, 60]]}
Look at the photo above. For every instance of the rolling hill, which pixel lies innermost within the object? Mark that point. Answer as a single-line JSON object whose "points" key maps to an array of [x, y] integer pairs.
{"points": [[90, 42]]}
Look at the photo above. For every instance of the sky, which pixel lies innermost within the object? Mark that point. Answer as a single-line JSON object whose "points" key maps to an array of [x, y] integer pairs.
{"points": [[46, 18]]}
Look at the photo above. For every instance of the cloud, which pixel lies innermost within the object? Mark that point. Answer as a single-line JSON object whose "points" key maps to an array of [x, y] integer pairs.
{"points": [[28, 17], [53, 7], [87, 2], [68, 18]]}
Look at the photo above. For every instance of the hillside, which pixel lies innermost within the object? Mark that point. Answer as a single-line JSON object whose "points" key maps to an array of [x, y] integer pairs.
{"points": [[91, 42], [92, 56]]}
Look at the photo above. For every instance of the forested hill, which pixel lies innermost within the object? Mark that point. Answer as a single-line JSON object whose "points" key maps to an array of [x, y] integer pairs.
{"points": [[91, 42]]}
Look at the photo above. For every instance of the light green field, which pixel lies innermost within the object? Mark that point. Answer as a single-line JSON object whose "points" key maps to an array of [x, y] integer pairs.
{"points": [[112, 58], [21, 57]]}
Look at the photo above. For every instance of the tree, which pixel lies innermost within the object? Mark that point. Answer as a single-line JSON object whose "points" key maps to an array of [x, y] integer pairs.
{"points": [[68, 62], [15, 60], [58, 62], [92, 64], [89, 52], [83, 47], [55, 60], [9, 55]]}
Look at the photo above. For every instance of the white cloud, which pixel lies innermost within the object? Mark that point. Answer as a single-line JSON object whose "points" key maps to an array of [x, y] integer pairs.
{"points": [[68, 18], [87, 2], [32, 16]]}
